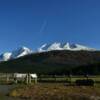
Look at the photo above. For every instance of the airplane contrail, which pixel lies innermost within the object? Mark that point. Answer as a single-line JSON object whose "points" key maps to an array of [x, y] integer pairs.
{"points": [[43, 26]]}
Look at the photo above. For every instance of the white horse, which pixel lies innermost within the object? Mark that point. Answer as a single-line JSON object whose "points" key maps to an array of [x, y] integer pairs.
{"points": [[33, 75], [20, 75]]}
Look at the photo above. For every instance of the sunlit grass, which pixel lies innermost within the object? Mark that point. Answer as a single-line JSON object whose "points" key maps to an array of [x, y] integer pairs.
{"points": [[56, 91]]}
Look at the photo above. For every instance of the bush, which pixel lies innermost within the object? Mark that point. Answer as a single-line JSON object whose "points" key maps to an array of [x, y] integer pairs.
{"points": [[88, 82]]}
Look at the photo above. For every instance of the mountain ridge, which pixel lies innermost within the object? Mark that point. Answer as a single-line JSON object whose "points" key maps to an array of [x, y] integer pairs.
{"points": [[55, 62], [22, 51], [19, 52], [63, 46]]}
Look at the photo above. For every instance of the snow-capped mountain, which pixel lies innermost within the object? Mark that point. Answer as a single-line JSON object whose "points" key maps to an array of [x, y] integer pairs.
{"points": [[5, 56], [15, 54], [21, 52], [46, 47], [65, 46]]}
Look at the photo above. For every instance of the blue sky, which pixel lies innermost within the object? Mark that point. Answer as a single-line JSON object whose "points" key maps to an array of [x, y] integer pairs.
{"points": [[32, 23]]}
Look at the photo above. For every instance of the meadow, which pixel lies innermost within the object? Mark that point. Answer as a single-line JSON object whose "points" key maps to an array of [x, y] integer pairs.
{"points": [[56, 91], [54, 87]]}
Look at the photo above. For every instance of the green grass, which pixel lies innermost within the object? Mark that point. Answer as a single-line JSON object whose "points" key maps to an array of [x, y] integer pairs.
{"points": [[58, 79], [66, 78]]}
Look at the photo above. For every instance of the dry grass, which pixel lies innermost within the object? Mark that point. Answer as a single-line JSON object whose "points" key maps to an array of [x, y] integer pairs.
{"points": [[56, 92]]}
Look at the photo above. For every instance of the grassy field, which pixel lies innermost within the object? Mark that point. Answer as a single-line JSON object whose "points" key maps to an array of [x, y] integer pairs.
{"points": [[56, 91], [55, 79], [56, 88]]}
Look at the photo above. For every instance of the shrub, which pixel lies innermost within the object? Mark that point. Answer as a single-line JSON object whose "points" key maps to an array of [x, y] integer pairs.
{"points": [[88, 82]]}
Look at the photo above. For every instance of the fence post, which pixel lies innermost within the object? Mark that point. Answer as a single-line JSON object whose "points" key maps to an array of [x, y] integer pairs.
{"points": [[70, 77], [7, 78], [15, 80], [29, 75], [27, 79], [35, 80]]}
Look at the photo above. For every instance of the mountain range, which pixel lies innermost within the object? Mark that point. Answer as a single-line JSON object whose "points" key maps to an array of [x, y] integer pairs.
{"points": [[22, 51], [63, 46], [56, 58]]}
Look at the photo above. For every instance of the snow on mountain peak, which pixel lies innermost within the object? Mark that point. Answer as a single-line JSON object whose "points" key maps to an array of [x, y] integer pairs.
{"points": [[22, 51], [54, 46], [41, 48], [66, 46], [5, 56]]}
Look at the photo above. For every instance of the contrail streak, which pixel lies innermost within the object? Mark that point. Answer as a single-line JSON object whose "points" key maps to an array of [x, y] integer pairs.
{"points": [[43, 26]]}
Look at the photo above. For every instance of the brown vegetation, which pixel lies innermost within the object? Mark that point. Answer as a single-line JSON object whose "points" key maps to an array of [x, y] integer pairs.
{"points": [[56, 91]]}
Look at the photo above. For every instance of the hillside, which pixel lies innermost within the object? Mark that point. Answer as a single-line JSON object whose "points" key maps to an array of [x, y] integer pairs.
{"points": [[55, 62]]}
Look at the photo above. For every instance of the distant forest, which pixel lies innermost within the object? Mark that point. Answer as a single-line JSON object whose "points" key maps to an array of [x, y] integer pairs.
{"points": [[56, 62]]}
